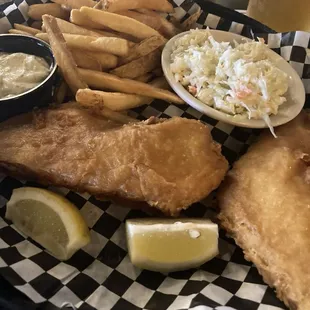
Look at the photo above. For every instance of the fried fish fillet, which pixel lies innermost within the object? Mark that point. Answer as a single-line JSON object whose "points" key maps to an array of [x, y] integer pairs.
{"points": [[168, 164], [265, 206]]}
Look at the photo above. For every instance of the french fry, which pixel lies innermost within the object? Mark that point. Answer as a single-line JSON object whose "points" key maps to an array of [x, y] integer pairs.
{"points": [[36, 11], [98, 5], [37, 24], [66, 27], [66, 7], [102, 102], [116, 116], [167, 28], [116, 46], [78, 18], [143, 48], [142, 18], [190, 22], [153, 20], [107, 61], [145, 78], [76, 4], [120, 5], [106, 81], [15, 31], [62, 54], [27, 29], [43, 36], [120, 23], [160, 82], [111, 34], [84, 60], [116, 101], [139, 66], [61, 93], [175, 22]]}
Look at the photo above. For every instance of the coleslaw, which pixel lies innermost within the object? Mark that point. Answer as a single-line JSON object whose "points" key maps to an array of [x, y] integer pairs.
{"points": [[239, 79]]}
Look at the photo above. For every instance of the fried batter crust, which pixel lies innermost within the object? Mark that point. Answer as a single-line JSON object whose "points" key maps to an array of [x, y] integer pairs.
{"points": [[169, 164], [265, 206]]}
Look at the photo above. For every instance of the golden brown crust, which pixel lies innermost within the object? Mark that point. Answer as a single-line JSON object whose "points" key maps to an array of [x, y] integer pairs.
{"points": [[265, 207], [169, 164]]}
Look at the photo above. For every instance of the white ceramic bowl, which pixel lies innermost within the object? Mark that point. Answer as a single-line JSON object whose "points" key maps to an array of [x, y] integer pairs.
{"points": [[295, 96]]}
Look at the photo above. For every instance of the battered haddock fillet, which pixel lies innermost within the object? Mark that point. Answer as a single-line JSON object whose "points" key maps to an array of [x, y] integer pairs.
{"points": [[168, 164], [265, 206]]}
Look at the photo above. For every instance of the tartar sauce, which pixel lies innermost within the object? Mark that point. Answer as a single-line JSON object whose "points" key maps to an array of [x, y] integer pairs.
{"points": [[20, 72]]}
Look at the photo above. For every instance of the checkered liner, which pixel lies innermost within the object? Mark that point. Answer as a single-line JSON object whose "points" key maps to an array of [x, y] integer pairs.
{"points": [[101, 276]]}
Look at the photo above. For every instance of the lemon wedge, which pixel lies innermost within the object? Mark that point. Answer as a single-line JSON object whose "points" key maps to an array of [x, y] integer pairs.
{"points": [[49, 219], [167, 245]]}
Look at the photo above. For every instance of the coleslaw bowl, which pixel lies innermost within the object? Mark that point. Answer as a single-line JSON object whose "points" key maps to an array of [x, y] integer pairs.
{"points": [[295, 95]]}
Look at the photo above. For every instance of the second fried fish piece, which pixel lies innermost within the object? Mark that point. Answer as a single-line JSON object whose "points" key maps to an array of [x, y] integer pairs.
{"points": [[265, 207]]}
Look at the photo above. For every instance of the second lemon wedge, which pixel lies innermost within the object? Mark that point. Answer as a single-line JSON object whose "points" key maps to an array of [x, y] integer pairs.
{"points": [[168, 245]]}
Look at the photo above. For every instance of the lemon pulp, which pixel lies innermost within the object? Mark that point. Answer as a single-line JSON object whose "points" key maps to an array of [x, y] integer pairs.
{"points": [[171, 245]]}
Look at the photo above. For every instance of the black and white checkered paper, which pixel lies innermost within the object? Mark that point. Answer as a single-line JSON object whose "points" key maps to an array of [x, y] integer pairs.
{"points": [[100, 276]]}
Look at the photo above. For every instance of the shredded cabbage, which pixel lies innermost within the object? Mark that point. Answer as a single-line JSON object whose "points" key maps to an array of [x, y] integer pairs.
{"points": [[240, 79]]}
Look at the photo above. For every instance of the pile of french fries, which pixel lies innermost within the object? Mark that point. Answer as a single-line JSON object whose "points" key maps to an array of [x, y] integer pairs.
{"points": [[108, 52]]}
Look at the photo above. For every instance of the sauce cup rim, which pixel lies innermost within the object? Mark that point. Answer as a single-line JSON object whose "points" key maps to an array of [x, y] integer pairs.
{"points": [[53, 70]]}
